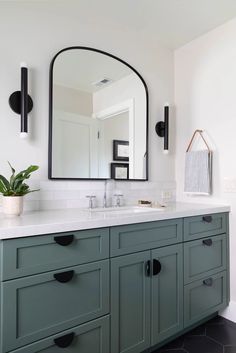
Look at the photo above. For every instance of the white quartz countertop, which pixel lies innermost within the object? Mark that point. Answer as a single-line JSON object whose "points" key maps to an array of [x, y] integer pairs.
{"points": [[56, 221]]}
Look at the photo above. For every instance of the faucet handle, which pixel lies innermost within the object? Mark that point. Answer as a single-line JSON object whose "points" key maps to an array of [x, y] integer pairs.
{"points": [[118, 197], [91, 198]]}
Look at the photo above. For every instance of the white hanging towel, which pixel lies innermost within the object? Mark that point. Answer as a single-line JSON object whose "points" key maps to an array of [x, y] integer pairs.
{"points": [[198, 172]]}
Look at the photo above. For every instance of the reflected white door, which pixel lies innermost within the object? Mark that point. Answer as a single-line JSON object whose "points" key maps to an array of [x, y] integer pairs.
{"points": [[77, 157]]}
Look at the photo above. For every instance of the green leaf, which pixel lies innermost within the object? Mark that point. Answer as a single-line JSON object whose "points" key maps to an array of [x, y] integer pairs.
{"points": [[5, 182], [2, 187], [12, 169], [12, 178], [31, 169]]}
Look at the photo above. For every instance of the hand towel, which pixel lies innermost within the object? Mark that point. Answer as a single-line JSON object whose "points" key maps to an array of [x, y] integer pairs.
{"points": [[198, 172]]}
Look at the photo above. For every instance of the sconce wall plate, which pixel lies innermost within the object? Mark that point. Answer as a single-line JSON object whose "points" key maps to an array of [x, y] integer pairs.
{"points": [[15, 102]]}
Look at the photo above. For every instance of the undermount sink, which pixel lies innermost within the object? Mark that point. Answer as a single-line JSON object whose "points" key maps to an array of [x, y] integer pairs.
{"points": [[126, 209]]}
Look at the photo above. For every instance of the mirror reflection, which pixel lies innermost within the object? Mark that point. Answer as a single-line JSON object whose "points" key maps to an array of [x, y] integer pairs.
{"points": [[98, 118]]}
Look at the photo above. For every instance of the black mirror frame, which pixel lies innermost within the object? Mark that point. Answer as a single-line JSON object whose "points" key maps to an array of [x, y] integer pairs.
{"points": [[51, 115]]}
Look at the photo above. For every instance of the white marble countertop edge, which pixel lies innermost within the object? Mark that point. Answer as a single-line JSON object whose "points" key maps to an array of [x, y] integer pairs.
{"points": [[58, 221]]}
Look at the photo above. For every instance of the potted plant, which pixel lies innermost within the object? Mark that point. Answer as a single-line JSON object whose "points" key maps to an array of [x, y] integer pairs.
{"points": [[14, 189]]}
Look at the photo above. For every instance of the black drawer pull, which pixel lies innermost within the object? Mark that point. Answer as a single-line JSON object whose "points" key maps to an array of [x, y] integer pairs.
{"points": [[156, 267], [207, 219], [64, 240], [64, 341], [208, 282], [148, 268], [64, 277], [207, 242]]}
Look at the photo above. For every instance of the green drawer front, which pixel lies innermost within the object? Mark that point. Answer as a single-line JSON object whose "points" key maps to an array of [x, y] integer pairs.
{"points": [[32, 255], [204, 297], [205, 226], [204, 255], [38, 306], [88, 338], [144, 236]]}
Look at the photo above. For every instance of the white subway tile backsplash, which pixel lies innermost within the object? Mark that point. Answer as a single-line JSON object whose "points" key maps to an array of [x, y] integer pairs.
{"points": [[66, 194], [85, 185], [46, 195], [52, 204], [53, 185], [31, 205]]}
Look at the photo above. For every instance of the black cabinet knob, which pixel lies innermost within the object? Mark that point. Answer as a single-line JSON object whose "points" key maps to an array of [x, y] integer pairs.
{"points": [[208, 282], [156, 267], [207, 219], [207, 242], [64, 277], [64, 341], [64, 240]]}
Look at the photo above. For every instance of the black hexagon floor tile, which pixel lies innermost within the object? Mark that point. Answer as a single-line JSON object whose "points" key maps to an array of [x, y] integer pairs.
{"points": [[218, 335], [224, 334], [230, 349], [196, 344], [198, 331], [217, 320], [177, 343], [171, 351]]}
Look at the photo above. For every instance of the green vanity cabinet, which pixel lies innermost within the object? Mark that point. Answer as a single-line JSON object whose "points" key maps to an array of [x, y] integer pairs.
{"points": [[146, 298], [120, 289]]}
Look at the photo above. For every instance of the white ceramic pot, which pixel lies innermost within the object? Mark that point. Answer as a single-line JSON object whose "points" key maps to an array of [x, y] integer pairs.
{"points": [[12, 205]]}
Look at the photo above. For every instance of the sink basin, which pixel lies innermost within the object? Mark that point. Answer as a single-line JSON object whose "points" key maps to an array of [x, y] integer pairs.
{"points": [[126, 210]]}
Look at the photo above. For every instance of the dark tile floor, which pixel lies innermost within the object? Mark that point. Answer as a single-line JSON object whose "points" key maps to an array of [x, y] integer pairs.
{"points": [[216, 336]]}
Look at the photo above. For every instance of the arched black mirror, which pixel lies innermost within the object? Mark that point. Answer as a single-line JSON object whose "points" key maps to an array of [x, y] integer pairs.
{"points": [[98, 119]]}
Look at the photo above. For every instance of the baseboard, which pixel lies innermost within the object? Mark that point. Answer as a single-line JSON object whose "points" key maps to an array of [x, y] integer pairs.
{"points": [[230, 312]]}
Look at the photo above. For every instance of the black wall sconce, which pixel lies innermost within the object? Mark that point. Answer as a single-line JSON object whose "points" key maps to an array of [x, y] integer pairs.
{"points": [[21, 103], [162, 128]]}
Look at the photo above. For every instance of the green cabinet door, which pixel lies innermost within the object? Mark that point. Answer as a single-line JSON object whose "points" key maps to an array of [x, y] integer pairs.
{"points": [[130, 303], [167, 292]]}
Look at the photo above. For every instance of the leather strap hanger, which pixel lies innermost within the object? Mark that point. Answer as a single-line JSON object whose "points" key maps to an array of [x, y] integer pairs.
{"points": [[200, 132]]}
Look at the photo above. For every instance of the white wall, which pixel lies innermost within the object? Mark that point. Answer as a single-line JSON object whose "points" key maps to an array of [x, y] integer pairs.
{"points": [[205, 97], [32, 33]]}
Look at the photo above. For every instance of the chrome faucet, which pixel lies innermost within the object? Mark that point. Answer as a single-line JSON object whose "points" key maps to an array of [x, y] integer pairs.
{"points": [[105, 196]]}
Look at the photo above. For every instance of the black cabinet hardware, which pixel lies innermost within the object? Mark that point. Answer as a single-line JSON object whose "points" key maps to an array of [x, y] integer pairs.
{"points": [[207, 219], [64, 341], [208, 282], [64, 277], [64, 240], [148, 268], [156, 267], [207, 242]]}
